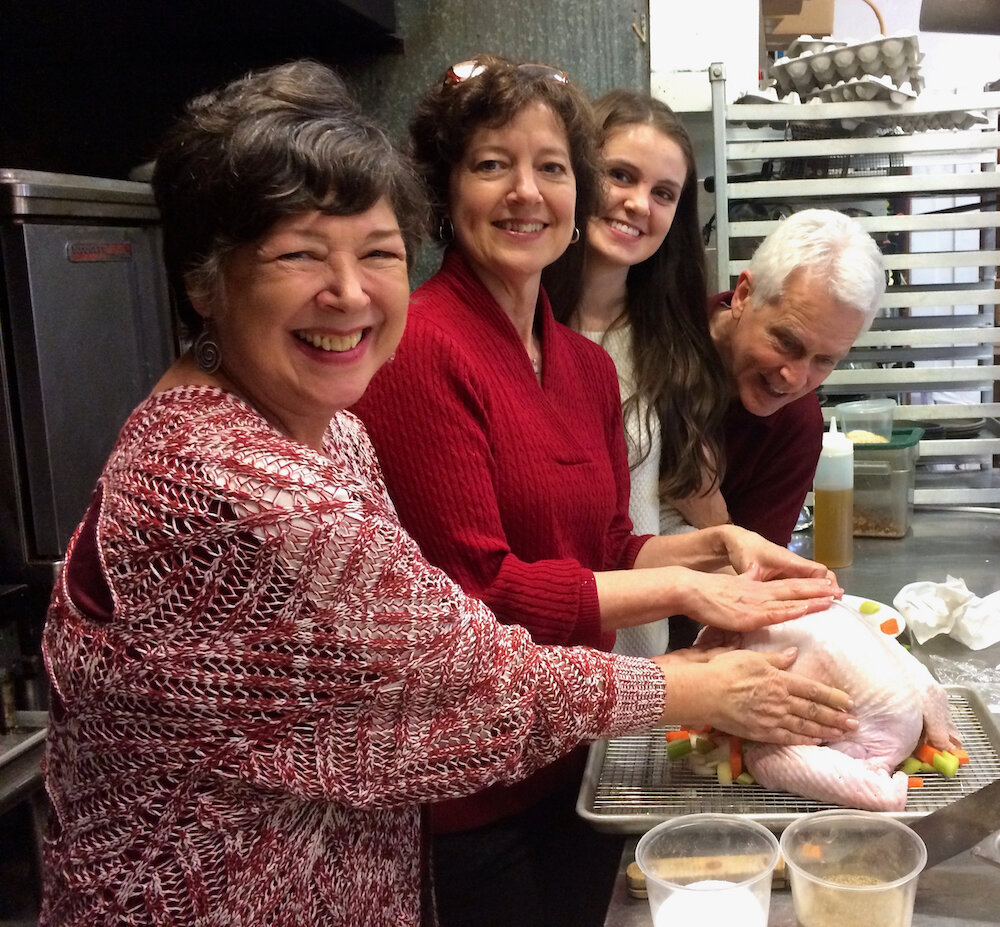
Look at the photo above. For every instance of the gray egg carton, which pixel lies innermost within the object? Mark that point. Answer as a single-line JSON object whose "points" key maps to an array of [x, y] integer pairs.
{"points": [[867, 87], [813, 65], [902, 123], [911, 123]]}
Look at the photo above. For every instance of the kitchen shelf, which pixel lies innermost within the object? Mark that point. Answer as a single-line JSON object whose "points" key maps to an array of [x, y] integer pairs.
{"points": [[929, 197]]}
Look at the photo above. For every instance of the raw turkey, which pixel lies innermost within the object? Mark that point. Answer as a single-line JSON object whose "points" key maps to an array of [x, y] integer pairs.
{"points": [[896, 702]]}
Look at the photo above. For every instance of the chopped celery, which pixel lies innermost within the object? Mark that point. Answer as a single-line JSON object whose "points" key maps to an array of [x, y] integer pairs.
{"points": [[678, 748], [745, 778], [724, 773], [911, 766], [946, 763], [869, 608]]}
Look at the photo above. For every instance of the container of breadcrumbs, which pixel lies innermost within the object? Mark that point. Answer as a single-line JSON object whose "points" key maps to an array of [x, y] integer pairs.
{"points": [[884, 476]]}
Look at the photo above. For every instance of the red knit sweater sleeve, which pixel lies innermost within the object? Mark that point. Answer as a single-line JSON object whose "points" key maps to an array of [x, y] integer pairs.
{"points": [[340, 664]]}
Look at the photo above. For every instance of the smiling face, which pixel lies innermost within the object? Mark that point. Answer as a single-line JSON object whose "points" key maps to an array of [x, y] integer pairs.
{"points": [[646, 172], [513, 198], [779, 351], [308, 314]]}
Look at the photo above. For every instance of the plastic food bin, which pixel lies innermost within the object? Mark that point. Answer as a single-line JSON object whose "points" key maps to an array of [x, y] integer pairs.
{"points": [[884, 475], [866, 417]]}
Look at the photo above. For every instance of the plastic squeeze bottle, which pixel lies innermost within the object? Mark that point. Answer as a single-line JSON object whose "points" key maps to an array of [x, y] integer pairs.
{"points": [[833, 498]]}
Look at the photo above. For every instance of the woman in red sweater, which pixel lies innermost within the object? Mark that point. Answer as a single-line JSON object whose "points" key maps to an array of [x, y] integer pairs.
{"points": [[257, 677], [500, 435]]}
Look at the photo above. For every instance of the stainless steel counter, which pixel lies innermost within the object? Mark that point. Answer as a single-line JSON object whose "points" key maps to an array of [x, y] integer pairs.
{"points": [[963, 543]]}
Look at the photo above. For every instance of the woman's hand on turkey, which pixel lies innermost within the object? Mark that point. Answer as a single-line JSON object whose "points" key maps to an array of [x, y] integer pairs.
{"points": [[751, 694]]}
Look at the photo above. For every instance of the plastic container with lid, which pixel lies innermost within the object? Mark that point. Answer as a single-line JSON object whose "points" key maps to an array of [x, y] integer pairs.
{"points": [[867, 420], [884, 476], [833, 498]]}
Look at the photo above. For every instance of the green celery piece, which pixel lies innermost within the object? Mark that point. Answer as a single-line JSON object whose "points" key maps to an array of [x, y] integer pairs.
{"points": [[946, 763], [911, 766], [678, 748]]}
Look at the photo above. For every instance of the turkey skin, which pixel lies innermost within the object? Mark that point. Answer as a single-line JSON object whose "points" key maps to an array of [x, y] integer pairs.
{"points": [[896, 701]]}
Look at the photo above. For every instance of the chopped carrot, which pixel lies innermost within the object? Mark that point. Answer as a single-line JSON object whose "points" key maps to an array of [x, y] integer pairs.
{"points": [[963, 756], [812, 851], [926, 753], [735, 754], [915, 782], [890, 626], [677, 735]]}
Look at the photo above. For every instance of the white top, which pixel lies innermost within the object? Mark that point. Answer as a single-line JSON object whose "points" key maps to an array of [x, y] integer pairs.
{"points": [[647, 514]]}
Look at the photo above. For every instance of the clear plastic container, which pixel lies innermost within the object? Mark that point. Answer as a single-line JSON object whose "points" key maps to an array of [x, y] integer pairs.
{"points": [[849, 867], [867, 421], [708, 869], [884, 477]]}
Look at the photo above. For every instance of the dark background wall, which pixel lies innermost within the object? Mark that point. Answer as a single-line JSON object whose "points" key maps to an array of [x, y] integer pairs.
{"points": [[87, 88]]}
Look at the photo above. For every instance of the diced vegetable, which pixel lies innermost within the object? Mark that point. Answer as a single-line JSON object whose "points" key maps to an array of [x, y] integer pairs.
{"points": [[746, 778], [812, 851], [869, 608], [703, 743], [724, 773], [735, 755], [678, 748], [678, 735], [703, 770], [926, 753], [915, 782], [889, 626], [911, 766], [946, 763], [963, 757]]}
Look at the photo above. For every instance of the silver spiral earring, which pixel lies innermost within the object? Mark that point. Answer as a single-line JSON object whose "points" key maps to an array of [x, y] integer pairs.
{"points": [[207, 354], [446, 231], [576, 236]]}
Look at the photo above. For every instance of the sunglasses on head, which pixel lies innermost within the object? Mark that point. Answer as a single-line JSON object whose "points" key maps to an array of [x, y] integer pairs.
{"points": [[466, 70]]}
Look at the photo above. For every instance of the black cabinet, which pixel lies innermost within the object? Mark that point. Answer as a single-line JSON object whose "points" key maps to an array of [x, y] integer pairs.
{"points": [[88, 88]]}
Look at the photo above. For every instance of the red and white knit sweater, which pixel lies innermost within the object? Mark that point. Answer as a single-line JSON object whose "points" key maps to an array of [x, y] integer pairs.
{"points": [[243, 738]]}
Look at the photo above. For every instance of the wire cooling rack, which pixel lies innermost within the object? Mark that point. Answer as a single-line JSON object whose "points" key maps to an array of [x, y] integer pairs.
{"points": [[630, 784]]}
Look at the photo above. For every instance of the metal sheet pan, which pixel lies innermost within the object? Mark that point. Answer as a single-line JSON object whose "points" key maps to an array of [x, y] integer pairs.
{"points": [[629, 784]]}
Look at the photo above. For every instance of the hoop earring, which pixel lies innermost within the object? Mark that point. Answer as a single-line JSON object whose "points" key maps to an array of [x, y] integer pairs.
{"points": [[446, 231], [207, 354], [576, 236]]}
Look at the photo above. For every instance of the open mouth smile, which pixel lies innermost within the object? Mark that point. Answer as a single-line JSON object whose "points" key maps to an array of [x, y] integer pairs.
{"points": [[513, 225], [624, 228], [334, 343]]}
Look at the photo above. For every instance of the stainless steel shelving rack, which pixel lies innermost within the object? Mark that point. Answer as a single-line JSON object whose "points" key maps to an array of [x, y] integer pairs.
{"points": [[825, 154]]}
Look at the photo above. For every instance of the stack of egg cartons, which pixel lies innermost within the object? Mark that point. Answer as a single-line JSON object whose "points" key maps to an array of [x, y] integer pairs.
{"points": [[885, 68]]}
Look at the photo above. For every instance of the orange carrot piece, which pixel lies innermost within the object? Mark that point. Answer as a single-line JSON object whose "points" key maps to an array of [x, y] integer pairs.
{"points": [[735, 754], [677, 735], [963, 756], [915, 782], [812, 851], [926, 753], [890, 626]]}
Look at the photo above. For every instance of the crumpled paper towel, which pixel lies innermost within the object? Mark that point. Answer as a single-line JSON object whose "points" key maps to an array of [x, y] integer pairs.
{"points": [[950, 608]]}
